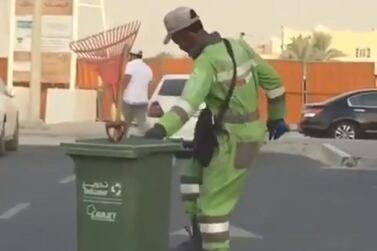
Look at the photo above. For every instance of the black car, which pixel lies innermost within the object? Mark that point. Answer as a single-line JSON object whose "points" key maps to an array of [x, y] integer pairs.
{"points": [[350, 115]]}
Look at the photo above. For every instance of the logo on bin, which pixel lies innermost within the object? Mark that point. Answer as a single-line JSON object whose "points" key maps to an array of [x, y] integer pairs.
{"points": [[102, 189], [116, 189], [97, 215], [96, 188]]}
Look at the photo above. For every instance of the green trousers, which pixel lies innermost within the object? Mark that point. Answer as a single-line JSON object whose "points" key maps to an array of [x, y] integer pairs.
{"points": [[212, 193]]}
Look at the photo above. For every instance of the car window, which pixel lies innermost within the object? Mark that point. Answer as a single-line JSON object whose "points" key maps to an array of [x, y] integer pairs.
{"points": [[336, 97], [368, 99], [172, 87]]}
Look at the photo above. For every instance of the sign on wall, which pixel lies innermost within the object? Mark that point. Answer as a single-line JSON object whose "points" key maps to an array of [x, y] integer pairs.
{"points": [[57, 22]]}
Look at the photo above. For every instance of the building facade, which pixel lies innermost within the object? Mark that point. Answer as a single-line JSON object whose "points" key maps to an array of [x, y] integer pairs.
{"points": [[357, 45]]}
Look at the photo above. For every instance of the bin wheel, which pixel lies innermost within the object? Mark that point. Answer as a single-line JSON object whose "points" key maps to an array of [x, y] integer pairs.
{"points": [[12, 145], [2, 141]]}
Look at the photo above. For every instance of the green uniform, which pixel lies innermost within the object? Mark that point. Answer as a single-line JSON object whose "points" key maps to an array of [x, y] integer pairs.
{"points": [[211, 193]]}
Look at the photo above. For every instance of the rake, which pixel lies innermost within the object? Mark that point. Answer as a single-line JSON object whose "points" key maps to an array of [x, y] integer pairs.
{"points": [[108, 52]]}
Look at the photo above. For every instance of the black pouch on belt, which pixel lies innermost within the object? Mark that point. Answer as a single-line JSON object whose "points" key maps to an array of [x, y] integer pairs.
{"points": [[206, 129], [205, 139]]}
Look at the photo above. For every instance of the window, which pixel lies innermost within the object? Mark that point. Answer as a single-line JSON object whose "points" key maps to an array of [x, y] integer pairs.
{"points": [[363, 52], [172, 87], [367, 100]]}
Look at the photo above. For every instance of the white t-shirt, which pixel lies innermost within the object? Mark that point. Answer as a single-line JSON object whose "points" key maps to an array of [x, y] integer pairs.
{"points": [[137, 89]]}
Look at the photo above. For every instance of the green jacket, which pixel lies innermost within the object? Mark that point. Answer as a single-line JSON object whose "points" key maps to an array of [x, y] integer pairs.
{"points": [[210, 81]]}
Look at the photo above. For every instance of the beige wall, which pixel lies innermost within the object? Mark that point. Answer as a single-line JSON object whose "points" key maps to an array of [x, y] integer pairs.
{"points": [[21, 100], [62, 105], [70, 106]]}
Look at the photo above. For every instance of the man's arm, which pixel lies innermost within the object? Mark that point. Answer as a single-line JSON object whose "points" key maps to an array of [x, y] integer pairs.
{"points": [[150, 84], [270, 81], [129, 68], [123, 86], [194, 94], [3, 88], [150, 89]]}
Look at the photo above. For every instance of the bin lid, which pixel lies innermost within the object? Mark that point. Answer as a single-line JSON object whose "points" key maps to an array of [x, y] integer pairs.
{"points": [[128, 148]]}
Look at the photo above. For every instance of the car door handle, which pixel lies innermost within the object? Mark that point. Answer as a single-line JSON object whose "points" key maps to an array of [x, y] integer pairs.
{"points": [[359, 110]]}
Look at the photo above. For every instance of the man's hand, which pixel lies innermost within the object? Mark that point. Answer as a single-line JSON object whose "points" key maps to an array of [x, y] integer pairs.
{"points": [[156, 132], [277, 128]]}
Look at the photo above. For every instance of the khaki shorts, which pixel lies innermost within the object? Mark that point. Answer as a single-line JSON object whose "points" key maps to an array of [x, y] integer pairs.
{"points": [[137, 113]]}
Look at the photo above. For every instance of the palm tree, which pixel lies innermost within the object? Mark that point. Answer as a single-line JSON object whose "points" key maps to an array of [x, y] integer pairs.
{"points": [[311, 48], [321, 50], [299, 49]]}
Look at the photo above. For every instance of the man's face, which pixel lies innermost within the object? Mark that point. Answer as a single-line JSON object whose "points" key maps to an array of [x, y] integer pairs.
{"points": [[184, 39]]}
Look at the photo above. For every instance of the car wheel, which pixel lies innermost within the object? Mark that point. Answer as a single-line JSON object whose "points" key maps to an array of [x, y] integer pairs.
{"points": [[2, 141], [345, 130], [12, 145]]}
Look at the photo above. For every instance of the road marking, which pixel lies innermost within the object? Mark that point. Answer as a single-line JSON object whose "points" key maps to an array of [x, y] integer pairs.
{"points": [[235, 232], [67, 179], [14, 211]]}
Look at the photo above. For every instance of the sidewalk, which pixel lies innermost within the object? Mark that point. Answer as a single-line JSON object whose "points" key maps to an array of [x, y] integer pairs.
{"points": [[344, 153], [75, 130]]}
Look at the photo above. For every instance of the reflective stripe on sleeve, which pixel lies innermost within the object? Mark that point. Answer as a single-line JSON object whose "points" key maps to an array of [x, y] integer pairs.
{"points": [[277, 101], [274, 93], [186, 107], [183, 109], [242, 70]]}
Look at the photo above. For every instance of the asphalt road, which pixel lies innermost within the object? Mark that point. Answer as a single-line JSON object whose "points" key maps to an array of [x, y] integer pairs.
{"points": [[290, 204]]}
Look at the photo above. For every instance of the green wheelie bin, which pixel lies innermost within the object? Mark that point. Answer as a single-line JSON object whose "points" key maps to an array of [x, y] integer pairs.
{"points": [[123, 193]]}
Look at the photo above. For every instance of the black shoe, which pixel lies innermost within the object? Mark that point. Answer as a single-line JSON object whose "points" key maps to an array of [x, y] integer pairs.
{"points": [[193, 244], [188, 245]]}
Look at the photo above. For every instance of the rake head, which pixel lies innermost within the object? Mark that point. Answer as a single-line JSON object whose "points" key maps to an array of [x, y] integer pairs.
{"points": [[108, 51]]}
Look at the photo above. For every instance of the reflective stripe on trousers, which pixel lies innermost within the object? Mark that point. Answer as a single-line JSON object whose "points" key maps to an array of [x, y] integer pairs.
{"points": [[190, 188], [214, 229]]}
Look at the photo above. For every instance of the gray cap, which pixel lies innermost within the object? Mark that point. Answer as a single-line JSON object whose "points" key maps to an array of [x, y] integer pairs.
{"points": [[177, 20]]}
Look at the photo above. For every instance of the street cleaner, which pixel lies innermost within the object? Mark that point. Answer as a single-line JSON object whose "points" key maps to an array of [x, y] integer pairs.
{"points": [[229, 132]]}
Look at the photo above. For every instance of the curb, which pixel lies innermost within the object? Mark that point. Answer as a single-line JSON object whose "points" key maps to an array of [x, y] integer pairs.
{"points": [[293, 148], [338, 157], [325, 153], [368, 163]]}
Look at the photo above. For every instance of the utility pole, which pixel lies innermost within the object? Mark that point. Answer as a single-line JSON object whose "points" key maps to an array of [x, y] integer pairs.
{"points": [[282, 39], [36, 70]]}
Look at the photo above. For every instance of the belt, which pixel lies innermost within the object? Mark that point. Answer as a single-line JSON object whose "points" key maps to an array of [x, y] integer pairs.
{"points": [[232, 118]]}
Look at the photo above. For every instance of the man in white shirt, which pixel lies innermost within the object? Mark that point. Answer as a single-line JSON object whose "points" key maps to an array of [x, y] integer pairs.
{"points": [[135, 87]]}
